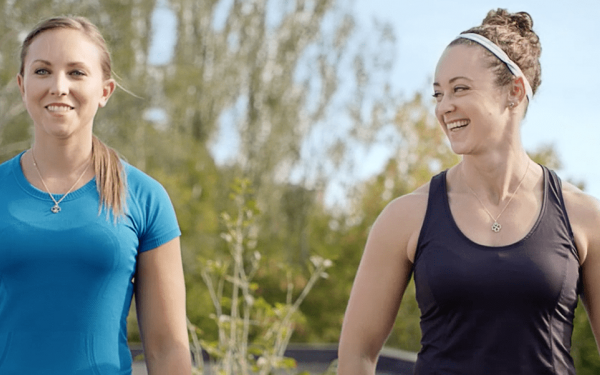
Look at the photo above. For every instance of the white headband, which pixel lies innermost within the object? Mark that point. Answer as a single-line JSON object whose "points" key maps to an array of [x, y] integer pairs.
{"points": [[493, 48]]}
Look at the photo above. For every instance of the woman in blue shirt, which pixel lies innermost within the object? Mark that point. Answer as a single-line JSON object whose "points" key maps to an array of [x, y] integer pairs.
{"points": [[82, 230]]}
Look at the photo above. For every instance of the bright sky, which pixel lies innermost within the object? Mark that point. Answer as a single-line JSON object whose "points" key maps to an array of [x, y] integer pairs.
{"points": [[562, 113]]}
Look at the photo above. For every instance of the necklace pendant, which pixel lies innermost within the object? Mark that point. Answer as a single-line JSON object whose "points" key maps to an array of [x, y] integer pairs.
{"points": [[496, 227], [55, 209]]}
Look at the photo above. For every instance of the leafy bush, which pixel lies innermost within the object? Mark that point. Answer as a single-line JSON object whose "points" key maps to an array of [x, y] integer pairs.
{"points": [[252, 333]]}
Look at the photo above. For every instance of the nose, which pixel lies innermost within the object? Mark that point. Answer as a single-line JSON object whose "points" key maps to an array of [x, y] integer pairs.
{"points": [[59, 85], [444, 105]]}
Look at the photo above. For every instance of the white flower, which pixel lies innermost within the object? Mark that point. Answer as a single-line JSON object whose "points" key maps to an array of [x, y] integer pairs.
{"points": [[261, 361], [316, 260]]}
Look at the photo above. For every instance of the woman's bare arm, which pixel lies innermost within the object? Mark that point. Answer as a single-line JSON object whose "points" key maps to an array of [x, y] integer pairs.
{"points": [[160, 302], [584, 215], [380, 282]]}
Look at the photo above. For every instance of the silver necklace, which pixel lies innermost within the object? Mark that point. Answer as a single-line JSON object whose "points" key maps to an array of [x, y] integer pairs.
{"points": [[56, 208], [496, 226]]}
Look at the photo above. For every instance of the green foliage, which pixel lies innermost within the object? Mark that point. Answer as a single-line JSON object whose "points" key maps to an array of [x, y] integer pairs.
{"points": [[296, 87], [252, 333], [584, 349]]}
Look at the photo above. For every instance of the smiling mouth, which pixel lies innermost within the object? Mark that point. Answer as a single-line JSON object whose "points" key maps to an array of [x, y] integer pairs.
{"points": [[59, 108], [457, 125]]}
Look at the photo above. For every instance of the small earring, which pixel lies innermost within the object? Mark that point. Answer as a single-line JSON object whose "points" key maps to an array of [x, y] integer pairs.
{"points": [[511, 104]]}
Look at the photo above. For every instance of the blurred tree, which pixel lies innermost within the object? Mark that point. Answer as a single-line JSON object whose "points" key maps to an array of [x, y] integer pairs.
{"points": [[285, 93], [13, 135], [255, 79], [257, 82], [125, 26]]}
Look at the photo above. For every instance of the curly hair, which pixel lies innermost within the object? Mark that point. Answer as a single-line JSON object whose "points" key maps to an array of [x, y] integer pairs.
{"points": [[513, 33]]}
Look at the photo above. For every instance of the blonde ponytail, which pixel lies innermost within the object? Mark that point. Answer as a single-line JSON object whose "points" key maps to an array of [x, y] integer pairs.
{"points": [[110, 178]]}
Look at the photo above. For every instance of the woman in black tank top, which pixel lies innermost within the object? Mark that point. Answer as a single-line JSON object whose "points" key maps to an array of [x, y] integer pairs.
{"points": [[499, 247]]}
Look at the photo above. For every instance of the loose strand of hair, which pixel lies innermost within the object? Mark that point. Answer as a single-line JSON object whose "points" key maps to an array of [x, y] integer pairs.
{"points": [[119, 85]]}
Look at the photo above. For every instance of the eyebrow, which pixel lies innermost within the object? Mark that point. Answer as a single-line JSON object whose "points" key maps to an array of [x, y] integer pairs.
{"points": [[71, 64], [454, 79]]}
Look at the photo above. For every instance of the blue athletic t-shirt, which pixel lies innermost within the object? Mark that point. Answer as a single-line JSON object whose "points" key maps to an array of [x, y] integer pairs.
{"points": [[66, 279]]}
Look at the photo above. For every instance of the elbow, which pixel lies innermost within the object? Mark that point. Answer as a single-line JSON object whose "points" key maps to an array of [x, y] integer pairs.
{"points": [[160, 349], [354, 359], [173, 357]]}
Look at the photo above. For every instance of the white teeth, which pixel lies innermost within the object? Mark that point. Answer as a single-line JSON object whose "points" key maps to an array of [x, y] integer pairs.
{"points": [[457, 124], [58, 108]]}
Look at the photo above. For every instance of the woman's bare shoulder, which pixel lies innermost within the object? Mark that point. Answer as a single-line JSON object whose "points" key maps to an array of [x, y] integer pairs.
{"points": [[584, 215], [412, 202], [580, 205], [407, 209], [399, 224]]}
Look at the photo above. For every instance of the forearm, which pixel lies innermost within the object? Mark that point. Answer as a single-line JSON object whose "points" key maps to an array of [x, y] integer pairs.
{"points": [[355, 364], [175, 360]]}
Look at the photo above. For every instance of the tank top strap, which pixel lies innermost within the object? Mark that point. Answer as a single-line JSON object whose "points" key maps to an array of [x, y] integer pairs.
{"points": [[437, 190], [554, 199], [436, 217]]}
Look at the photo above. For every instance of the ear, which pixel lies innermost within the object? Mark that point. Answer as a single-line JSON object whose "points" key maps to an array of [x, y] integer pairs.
{"points": [[21, 83], [517, 91], [107, 90]]}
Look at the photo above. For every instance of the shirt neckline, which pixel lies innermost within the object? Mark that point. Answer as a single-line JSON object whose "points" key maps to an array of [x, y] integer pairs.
{"points": [[508, 246], [24, 183]]}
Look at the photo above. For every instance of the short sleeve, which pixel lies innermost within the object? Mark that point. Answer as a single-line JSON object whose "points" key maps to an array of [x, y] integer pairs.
{"points": [[150, 210]]}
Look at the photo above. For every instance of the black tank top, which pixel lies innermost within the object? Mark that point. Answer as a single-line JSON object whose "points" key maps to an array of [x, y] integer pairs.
{"points": [[496, 310]]}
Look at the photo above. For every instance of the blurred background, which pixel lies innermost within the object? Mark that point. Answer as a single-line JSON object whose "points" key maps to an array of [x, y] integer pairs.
{"points": [[323, 107]]}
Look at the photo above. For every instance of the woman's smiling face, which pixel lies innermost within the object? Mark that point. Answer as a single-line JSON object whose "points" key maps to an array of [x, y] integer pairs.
{"points": [[62, 84], [470, 107]]}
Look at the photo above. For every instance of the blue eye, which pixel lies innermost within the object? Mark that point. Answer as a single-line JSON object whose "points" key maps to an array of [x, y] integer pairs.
{"points": [[77, 73], [41, 71]]}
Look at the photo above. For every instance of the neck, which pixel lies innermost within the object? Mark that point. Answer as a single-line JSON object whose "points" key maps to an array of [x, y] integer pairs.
{"points": [[59, 169], [495, 177], [63, 160]]}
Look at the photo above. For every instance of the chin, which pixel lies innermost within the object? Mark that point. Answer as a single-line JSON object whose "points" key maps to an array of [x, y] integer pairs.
{"points": [[58, 132], [458, 149]]}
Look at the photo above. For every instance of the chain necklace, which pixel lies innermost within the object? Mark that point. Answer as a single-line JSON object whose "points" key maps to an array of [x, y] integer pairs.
{"points": [[56, 208], [496, 226]]}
